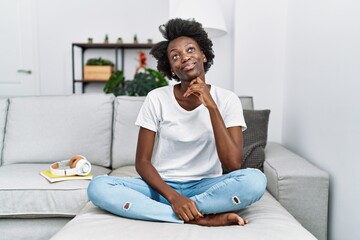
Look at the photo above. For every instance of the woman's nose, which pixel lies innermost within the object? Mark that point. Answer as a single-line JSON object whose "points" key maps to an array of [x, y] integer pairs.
{"points": [[185, 58]]}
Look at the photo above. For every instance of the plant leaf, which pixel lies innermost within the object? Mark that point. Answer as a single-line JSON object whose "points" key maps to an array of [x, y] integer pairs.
{"points": [[116, 79]]}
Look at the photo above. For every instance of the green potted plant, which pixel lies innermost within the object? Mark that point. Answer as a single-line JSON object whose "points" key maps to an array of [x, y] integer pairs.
{"points": [[145, 80], [98, 69], [99, 62]]}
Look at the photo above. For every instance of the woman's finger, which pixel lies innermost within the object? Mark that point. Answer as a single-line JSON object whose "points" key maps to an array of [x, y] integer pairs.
{"points": [[195, 212], [196, 80], [185, 217]]}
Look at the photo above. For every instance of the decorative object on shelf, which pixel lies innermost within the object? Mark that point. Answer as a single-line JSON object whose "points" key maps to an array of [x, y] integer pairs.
{"points": [[98, 69], [149, 41], [145, 80], [90, 40], [106, 40], [142, 61], [136, 39], [119, 40], [99, 62]]}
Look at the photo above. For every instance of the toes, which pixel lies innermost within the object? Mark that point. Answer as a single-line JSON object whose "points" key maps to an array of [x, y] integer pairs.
{"points": [[242, 221]]}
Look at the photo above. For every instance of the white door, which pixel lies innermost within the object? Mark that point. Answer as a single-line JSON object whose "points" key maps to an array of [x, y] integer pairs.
{"points": [[19, 75]]}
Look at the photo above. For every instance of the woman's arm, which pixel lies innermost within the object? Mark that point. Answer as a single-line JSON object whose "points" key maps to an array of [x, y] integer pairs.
{"points": [[229, 141], [185, 208]]}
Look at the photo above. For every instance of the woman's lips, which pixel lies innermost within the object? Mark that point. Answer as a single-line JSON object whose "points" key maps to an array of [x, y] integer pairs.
{"points": [[189, 66]]}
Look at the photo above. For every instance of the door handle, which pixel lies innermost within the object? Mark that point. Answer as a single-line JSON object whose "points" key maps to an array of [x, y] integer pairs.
{"points": [[24, 71]]}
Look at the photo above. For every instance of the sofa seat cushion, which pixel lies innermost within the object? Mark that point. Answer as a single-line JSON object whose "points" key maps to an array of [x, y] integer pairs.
{"points": [[267, 220], [30, 228], [125, 171], [25, 193]]}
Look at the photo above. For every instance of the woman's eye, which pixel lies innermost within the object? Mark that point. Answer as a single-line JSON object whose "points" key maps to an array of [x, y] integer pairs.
{"points": [[191, 49], [175, 56]]}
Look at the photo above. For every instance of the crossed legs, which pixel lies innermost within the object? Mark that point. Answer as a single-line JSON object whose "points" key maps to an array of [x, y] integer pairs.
{"points": [[216, 198]]}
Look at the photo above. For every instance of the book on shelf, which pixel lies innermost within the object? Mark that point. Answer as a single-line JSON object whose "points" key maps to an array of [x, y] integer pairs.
{"points": [[54, 178]]}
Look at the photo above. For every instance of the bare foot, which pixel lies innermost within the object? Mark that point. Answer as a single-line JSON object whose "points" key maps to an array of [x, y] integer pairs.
{"points": [[222, 219]]}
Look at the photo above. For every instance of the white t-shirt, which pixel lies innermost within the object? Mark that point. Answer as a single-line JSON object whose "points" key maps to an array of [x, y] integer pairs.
{"points": [[185, 145]]}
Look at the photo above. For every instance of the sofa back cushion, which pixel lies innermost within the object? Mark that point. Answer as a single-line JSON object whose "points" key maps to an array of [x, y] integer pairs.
{"points": [[125, 131], [52, 128], [255, 138], [247, 102], [3, 114]]}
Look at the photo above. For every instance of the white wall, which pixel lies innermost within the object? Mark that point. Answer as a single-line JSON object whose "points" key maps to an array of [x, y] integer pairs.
{"points": [[221, 72], [301, 59], [62, 23], [322, 100], [259, 56]]}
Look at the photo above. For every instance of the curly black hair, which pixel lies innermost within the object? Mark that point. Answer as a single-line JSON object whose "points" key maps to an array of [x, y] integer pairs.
{"points": [[175, 28]]}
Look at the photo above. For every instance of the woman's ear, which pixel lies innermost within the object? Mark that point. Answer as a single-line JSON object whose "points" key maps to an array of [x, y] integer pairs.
{"points": [[204, 56]]}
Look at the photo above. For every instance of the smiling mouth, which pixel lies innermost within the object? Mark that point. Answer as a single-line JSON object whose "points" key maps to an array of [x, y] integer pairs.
{"points": [[189, 66]]}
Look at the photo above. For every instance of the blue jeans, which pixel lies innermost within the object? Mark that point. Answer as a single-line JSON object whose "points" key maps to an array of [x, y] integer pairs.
{"points": [[134, 198]]}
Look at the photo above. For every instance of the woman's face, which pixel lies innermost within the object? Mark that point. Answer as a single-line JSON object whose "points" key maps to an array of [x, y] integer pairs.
{"points": [[186, 58]]}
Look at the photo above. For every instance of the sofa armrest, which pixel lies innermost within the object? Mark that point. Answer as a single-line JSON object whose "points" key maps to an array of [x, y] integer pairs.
{"points": [[299, 186]]}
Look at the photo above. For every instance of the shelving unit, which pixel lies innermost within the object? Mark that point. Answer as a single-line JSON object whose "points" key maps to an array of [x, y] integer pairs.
{"points": [[117, 47]]}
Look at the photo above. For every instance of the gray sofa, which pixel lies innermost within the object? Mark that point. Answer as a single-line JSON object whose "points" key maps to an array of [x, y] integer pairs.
{"points": [[37, 131]]}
